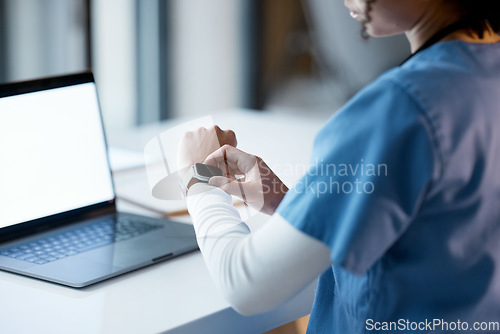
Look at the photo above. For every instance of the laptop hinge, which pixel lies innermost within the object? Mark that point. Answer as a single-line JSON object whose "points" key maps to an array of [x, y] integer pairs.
{"points": [[8, 234]]}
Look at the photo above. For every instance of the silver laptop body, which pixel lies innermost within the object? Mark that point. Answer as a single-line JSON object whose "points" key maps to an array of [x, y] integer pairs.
{"points": [[58, 219]]}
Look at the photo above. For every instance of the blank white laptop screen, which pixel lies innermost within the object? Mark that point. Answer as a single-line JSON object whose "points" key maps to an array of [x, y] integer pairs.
{"points": [[53, 153]]}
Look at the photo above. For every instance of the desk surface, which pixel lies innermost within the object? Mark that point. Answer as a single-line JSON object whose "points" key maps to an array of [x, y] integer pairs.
{"points": [[177, 296]]}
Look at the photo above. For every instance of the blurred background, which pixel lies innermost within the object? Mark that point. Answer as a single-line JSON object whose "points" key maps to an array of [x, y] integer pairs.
{"points": [[160, 59], [156, 60]]}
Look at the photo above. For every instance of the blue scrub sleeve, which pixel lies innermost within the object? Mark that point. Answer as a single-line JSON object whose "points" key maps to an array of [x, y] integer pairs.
{"points": [[370, 168]]}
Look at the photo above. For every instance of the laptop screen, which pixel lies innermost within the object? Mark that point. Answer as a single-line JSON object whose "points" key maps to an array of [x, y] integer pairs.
{"points": [[53, 153]]}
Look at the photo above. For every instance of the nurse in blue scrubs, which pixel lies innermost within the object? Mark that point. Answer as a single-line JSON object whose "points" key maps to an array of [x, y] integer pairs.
{"points": [[403, 192]]}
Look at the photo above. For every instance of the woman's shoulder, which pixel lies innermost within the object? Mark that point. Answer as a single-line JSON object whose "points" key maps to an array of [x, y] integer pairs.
{"points": [[441, 84], [450, 58], [446, 70]]}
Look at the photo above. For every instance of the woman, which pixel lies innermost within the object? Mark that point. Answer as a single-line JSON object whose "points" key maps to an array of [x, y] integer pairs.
{"points": [[418, 245]]}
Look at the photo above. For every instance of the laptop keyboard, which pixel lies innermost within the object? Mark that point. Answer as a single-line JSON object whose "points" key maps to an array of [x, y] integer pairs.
{"points": [[79, 240]]}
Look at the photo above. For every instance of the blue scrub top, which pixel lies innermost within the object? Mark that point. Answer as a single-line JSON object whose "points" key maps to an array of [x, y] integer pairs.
{"points": [[404, 188]]}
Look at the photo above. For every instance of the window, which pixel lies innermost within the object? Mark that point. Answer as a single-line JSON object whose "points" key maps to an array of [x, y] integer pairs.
{"points": [[152, 59], [43, 38]]}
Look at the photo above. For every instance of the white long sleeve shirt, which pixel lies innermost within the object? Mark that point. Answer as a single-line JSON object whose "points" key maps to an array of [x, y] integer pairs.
{"points": [[259, 271]]}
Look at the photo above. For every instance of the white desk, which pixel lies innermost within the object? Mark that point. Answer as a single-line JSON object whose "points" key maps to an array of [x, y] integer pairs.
{"points": [[176, 296]]}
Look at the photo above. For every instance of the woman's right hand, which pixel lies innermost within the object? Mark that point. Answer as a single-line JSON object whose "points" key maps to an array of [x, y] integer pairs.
{"points": [[257, 186]]}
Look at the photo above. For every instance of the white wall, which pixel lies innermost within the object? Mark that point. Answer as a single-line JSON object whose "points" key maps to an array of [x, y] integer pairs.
{"points": [[206, 56], [114, 60], [44, 38]]}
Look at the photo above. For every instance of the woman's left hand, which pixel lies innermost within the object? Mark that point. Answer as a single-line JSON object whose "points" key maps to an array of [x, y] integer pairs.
{"points": [[196, 145]]}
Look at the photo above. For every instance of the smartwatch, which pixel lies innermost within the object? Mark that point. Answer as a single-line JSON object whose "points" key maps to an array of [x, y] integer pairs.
{"points": [[199, 173]]}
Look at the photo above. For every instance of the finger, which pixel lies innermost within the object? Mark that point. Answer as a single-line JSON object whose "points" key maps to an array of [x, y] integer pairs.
{"points": [[230, 186], [219, 181], [234, 157], [230, 138], [219, 159], [226, 137]]}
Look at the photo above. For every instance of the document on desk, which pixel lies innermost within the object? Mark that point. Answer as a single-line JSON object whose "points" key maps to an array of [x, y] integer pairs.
{"points": [[132, 186]]}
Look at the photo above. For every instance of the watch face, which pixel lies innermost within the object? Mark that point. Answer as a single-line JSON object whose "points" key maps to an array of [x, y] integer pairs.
{"points": [[207, 171]]}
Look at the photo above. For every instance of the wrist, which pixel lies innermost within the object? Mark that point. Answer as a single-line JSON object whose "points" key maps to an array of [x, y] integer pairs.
{"points": [[197, 173], [273, 201]]}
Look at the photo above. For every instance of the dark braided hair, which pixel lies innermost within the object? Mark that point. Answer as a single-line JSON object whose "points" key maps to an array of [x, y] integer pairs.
{"points": [[481, 13]]}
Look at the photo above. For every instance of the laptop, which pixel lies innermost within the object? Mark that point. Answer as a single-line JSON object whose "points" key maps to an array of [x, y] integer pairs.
{"points": [[58, 218]]}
